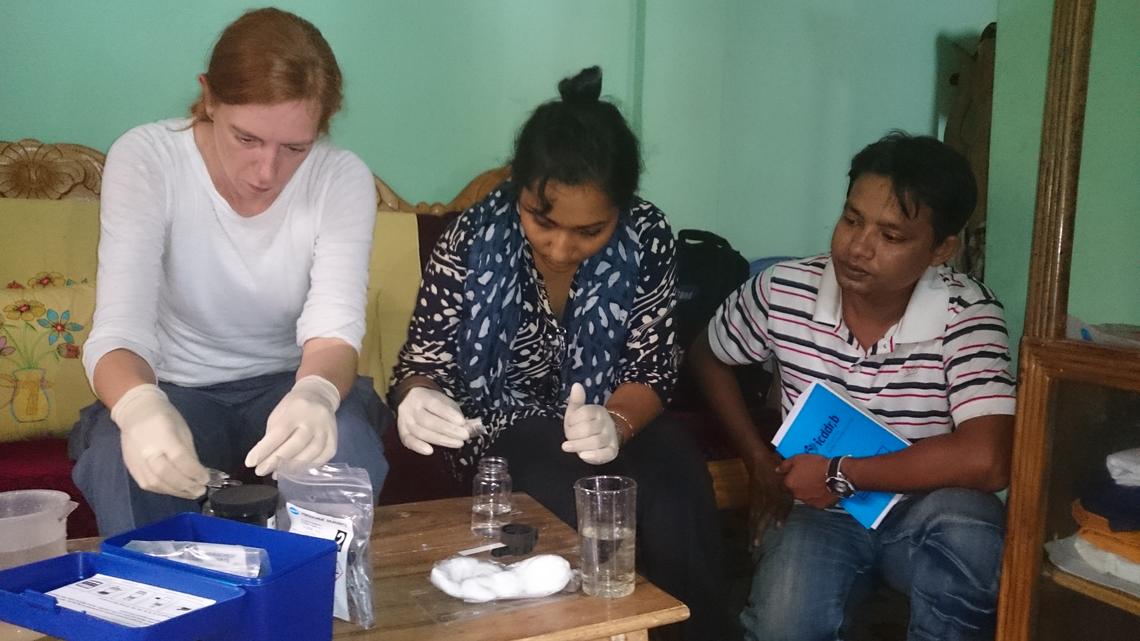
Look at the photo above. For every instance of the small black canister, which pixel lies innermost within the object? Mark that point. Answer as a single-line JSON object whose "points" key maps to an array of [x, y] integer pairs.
{"points": [[256, 504]]}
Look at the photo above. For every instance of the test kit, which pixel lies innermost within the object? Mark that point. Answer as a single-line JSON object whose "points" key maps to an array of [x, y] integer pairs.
{"points": [[120, 594]]}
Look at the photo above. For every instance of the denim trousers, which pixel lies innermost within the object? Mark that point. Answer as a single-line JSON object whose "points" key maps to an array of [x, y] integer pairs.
{"points": [[226, 420], [941, 549]]}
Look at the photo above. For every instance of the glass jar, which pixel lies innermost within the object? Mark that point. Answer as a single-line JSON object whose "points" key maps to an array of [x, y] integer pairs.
{"points": [[491, 496], [218, 481]]}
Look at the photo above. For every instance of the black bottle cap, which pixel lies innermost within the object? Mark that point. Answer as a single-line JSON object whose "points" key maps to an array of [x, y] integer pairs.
{"points": [[517, 538], [244, 502]]}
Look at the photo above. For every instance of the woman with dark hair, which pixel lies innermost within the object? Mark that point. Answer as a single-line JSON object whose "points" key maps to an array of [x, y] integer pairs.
{"points": [[233, 263], [544, 333]]}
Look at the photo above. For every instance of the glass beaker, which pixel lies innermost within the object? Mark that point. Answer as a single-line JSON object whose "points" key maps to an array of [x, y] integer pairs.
{"points": [[607, 528]]}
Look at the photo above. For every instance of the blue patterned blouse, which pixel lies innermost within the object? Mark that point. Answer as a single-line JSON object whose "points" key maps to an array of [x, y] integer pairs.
{"points": [[540, 349]]}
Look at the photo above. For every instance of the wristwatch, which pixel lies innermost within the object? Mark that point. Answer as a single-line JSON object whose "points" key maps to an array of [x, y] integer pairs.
{"points": [[837, 482]]}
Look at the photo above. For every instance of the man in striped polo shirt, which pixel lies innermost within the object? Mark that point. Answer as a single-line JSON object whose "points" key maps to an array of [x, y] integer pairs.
{"points": [[922, 347]]}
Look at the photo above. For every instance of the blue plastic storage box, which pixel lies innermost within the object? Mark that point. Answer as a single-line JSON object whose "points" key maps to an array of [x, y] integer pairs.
{"points": [[23, 600], [294, 600]]}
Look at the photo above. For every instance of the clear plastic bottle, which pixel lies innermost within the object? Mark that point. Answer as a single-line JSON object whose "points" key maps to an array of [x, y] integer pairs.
{"points": [[491, 496]]}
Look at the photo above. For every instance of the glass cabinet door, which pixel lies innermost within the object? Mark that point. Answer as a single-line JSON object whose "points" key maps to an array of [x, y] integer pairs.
{"points": [[1088, 422], [1104, 277]]}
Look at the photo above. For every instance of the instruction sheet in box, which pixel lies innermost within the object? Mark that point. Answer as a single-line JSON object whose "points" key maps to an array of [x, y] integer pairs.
{"points": [[126, 602]]}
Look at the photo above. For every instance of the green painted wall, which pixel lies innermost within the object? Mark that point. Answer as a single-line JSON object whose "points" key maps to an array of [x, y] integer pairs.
{"points": [[1106, 268], [435, 89], [1015, 141], [753, 108], [808, 84], [748, 109], [684, 75]]}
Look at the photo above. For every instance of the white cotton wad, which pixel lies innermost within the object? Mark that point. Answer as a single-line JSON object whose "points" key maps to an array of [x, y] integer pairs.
{"points": [[1124, 466], [478, 581]]}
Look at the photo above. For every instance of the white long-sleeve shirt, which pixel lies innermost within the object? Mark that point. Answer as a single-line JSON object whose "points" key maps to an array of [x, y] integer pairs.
{"points": [[207, 296]]}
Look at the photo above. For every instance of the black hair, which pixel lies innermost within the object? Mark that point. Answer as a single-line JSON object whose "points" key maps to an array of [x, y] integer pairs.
{"points": [[923, 171], [577, 140]]}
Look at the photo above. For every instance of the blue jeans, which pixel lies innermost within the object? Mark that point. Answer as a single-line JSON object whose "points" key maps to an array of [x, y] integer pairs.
{"points": [[226, 420], [942, 550]]}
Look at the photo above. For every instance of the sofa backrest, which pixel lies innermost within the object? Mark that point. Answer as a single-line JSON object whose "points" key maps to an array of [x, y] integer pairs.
{"points": [[394, 279], [402, 240], [49, 231]]}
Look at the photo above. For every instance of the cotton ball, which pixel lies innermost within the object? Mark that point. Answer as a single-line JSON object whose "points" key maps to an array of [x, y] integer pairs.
{"points": [[478, 581], [543, 574]]}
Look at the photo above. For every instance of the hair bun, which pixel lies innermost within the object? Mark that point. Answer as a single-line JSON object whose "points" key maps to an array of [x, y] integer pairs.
{"points": [[582, 88]]}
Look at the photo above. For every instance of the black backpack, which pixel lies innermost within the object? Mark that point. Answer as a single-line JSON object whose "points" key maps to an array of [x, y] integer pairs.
{"points": [[708, 270]]}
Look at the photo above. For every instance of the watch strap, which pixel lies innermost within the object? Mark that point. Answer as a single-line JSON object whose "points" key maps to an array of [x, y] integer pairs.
{"points": [[837, 482], [833, 467]]}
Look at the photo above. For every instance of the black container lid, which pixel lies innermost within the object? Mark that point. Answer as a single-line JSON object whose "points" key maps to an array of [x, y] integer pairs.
{"points": [[244, 501], [517, 538]]}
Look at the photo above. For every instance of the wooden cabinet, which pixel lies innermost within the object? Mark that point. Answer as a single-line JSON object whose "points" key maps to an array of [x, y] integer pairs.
{"points": [[1076, 402]]}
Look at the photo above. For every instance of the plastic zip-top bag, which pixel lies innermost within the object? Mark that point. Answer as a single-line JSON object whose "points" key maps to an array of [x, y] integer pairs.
{"points": [[242, 560], [334, 501]]}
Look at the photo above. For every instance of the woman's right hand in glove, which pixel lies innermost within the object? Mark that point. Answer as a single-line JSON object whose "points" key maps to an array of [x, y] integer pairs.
{"points": [[158, 448], [429, 417]]}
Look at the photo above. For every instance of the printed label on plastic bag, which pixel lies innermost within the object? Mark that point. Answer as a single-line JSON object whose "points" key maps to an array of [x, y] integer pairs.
{"points": [[332, 528]]}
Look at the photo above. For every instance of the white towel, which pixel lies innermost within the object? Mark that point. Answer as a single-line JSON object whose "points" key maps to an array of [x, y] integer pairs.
{"points": [[1107, 562], [1124, 466], [477, 581]]}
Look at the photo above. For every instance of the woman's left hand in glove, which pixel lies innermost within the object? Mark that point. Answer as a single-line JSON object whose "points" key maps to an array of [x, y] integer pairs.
{"points": [[590, 429], [301, 428]]}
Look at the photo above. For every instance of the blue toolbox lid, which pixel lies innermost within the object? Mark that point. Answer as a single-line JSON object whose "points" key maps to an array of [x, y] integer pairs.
{"points": [[24, 600]]}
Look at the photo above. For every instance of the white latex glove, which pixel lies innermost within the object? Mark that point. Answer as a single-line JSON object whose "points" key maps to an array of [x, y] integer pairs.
{"points": [[158, 449], [590, 430], [429, 417], [301, 428]]}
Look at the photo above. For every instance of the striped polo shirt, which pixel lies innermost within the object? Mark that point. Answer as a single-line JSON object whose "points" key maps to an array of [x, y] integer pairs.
{"points": [[944, 362]]}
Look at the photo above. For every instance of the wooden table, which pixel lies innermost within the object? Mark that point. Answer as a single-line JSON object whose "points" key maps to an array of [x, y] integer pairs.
{"points": [[407, 539]]}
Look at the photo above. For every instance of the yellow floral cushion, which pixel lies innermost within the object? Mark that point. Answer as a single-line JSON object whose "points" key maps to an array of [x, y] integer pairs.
{"points": [[42, 331], [48, 236]]}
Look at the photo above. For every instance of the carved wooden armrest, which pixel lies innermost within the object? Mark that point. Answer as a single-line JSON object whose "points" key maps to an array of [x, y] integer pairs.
{"points": [[32, 169]]}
